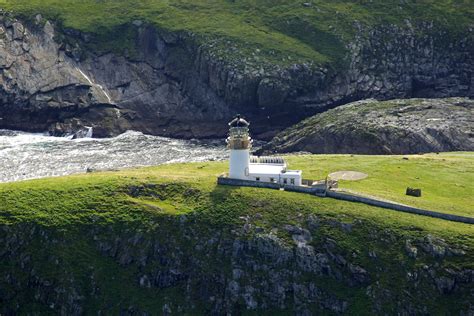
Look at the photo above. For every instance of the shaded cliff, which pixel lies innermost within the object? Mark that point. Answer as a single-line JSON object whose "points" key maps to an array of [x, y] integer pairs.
{"points": [[383, 127], [158, 78]]}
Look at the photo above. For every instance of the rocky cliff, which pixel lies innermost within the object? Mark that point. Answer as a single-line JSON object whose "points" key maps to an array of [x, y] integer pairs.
{"points": [[171, 83], [46, 86], [384, 127], [175, 265]]}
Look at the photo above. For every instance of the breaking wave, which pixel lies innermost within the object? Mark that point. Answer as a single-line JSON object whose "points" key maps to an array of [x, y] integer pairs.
{"points": [[28, 156]]}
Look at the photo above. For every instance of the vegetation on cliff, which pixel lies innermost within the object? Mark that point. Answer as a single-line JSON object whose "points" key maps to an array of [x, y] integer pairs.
{"points": [[169, 239], [180, 63], [283, 32]]}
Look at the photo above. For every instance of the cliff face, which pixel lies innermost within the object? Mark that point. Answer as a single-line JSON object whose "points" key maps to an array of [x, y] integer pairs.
{"points": [[383, 127], [45, 86], [180, 268], [175, 85]]}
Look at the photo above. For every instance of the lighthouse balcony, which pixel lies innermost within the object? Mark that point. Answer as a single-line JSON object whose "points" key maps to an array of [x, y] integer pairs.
{"points": [[239, 143]]}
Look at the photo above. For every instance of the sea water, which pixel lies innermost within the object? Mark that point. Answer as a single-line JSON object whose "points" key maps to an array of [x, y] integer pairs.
{"points": [[28, 156]]}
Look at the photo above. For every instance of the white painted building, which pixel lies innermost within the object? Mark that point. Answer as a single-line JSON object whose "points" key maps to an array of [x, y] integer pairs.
{"points": [[246, 167]]}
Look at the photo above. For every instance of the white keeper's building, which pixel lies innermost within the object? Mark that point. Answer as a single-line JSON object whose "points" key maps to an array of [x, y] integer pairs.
{"points": [[246, 167]]}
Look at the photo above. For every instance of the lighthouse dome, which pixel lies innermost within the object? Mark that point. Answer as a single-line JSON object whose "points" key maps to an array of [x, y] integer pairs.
{"points": [[238, 121]]}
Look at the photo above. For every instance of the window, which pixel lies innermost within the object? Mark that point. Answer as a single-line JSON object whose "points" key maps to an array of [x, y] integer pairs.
{"points": [[285, 181], [257, 179], [292, 181]]}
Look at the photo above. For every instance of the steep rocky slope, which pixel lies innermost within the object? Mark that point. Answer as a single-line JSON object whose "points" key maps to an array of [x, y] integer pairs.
{"points": [[384, 127], [168, 241], [44, 87], [177, 268], [188, 81]]}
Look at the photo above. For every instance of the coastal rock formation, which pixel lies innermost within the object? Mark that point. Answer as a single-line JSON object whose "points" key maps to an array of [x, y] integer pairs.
{"points": [[44, 86], [216, 273], [384, 127], [174, 85]]}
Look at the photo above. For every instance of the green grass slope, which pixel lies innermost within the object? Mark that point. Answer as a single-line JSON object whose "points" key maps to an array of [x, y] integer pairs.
{"points": [[282, 32], [446, 181], [166, 204]]}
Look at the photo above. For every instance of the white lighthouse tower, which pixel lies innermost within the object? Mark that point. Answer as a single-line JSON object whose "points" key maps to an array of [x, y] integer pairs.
{"points": [[239, 143], [251, 168]]}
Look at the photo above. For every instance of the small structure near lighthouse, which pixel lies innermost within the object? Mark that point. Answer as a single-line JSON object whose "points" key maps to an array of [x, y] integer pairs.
{"points": [[243, 166]]}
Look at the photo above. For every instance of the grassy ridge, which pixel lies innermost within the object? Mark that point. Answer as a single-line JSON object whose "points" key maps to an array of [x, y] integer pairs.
{"points": [[281, 31], [152, 202], [106, 197]]}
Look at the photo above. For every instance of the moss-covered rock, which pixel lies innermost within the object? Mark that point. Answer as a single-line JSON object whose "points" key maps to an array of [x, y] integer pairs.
{"points": [[384, 127]]}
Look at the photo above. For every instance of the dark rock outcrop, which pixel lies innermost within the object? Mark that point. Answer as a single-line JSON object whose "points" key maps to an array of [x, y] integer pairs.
{"points": [[176, 85], [216, 273], [387, 127]]}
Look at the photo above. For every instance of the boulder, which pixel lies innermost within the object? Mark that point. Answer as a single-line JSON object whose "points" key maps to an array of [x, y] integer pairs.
{"points": [[413, 192]]}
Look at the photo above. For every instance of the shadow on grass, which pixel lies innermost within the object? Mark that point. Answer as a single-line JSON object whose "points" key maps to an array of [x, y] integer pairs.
{"points": [[222, 192]]}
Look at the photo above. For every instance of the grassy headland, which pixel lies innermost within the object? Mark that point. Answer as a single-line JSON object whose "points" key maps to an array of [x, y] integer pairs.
{"points": [[180, 207], [282, 32], [446, 181]]}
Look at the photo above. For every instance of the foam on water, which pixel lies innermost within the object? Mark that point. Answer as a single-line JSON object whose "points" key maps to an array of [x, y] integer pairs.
{"points": [[28, 156]]}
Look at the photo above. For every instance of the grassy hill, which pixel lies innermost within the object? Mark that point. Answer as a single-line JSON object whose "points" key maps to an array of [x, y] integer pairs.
{"points": [[100, 232], [445, 180], [282, 32]]}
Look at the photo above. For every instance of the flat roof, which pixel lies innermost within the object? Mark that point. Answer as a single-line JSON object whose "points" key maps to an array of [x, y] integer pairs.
{"points": [[293, 172], [265, 168], [271, 169]]}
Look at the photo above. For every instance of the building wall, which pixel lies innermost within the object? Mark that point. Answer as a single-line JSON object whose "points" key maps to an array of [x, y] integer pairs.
{"points": [[316, 190], [278, 178], [239, 164]]}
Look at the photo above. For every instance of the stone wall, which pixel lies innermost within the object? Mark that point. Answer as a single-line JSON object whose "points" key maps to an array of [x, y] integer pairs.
{"points": [[398, 207], [314, 190], [320, 190], [248, 183]]}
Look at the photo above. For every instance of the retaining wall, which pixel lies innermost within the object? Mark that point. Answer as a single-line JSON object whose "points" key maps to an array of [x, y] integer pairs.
{"points": [[398, 207], [247, 183], [319, 190]]}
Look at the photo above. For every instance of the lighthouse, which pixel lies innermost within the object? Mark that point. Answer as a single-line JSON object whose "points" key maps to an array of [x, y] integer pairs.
{"points": [[251, 168], [239, 143]]}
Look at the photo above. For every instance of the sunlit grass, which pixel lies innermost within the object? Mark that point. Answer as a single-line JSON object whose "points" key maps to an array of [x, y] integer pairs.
{"points": [[446, 180], [166, 203], [284, 31], [104, 194]]}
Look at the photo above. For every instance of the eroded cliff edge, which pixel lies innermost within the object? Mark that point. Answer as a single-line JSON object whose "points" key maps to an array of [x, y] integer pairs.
{"points": [[174, 85]]}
